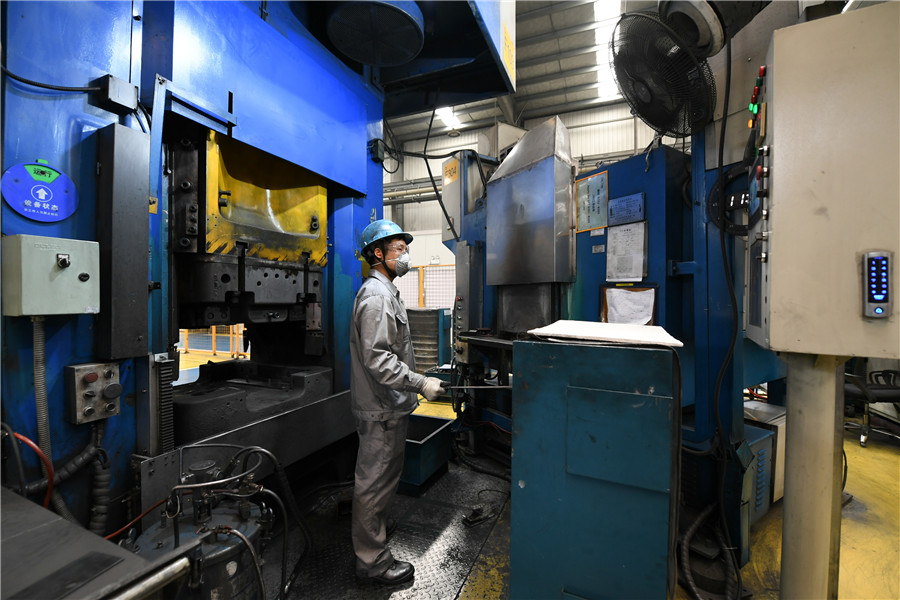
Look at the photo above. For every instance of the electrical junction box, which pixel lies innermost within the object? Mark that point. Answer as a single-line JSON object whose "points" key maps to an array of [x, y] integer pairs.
{"points": [[50, 276], [93, 392], [826, 182]]}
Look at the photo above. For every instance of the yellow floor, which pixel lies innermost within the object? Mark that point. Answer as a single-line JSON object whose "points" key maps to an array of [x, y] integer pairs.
{"points": [[443, 410], [195, 358], [870, 529]]}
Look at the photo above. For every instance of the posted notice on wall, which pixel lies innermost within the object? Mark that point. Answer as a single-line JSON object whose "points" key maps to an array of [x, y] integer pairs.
{"points": [[626, 252], [591, 197], [628, 305]]}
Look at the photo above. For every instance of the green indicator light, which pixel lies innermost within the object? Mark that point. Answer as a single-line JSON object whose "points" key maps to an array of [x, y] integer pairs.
{"points": [[755, 108], [759, 82], [42, 173], [750, 107]]}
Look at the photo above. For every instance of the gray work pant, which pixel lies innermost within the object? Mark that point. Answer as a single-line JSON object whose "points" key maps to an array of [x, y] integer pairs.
{"points": [[379, 465]]}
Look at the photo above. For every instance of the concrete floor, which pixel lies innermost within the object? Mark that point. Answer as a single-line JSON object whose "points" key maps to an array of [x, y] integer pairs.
{"points": [[870, 533], [870, 528]]}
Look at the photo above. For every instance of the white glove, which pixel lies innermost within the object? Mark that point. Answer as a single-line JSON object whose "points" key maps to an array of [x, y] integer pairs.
{"points": [[433, 388]]}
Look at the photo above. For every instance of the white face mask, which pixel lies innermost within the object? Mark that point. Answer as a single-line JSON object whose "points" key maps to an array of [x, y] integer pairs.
{"points": [[401, 266]]}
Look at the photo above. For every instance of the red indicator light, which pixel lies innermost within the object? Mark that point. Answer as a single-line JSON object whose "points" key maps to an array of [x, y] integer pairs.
{"points": [[762, 71], [756, 90]]}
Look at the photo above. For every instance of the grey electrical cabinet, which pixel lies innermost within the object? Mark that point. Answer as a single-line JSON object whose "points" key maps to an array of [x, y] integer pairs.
{"points": [[50, 276], [828, 184]]}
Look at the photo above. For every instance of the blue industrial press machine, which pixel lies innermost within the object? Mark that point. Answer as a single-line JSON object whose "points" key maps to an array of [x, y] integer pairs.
{"points": [[190, 164], [617, 451], [596, 430]]}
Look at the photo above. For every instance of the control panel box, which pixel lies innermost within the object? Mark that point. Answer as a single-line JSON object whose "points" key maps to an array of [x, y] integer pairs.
{"points": [[826, 183], [50, 276], [93, 392]]}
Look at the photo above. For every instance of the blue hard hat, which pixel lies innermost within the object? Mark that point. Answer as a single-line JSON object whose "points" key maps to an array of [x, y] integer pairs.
{"points": [[381, 229]]}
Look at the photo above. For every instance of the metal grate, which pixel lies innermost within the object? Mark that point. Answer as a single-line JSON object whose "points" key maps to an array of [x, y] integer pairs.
{"points": [[432, 286], [166, 374], [409, 288], [440, 286]]}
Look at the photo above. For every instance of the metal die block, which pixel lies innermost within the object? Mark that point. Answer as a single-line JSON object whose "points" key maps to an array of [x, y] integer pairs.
{"points": [[50, 276], [185, 196], [276, 208], [274, 285], [93, 391], [210, 279]]}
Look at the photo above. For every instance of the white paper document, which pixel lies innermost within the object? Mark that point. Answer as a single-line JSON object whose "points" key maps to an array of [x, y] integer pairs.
{"points": [[626, 252], [608, 332], [629, 306]]}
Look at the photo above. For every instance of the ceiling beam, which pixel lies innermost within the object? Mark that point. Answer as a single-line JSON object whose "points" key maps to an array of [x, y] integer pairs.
{"points": [[559, 75], [558, 33], [555, 7], [567, 107], [541, 60]]}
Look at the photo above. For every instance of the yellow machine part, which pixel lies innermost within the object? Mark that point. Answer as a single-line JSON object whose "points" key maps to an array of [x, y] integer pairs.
{"points": [[276, 207]]}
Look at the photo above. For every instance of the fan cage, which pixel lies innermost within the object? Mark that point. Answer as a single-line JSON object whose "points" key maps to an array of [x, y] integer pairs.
{"points": [[663, 82]]}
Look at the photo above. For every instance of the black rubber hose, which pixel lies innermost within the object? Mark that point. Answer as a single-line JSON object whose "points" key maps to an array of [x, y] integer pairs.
{"points": [[686, 551], [253, 557], [476, 467], [291, 503], [48, 86], [731, 579], [282, 591], [73, 466], [17, 457], [100, 493]]}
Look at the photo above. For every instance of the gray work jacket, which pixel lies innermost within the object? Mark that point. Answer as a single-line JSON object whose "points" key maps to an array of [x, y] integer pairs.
{"points": [[383, 380]]}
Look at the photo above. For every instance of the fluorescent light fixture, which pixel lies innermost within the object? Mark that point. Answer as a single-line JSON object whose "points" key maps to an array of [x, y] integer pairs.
{"points": [[607, 14], [446, 115]]}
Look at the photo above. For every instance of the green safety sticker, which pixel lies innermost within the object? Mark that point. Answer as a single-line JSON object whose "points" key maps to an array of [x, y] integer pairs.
{"points": [[42, 173]]}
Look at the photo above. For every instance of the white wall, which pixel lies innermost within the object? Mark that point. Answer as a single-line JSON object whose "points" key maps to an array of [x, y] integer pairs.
{"points": [[427, 248], [605, 133]]}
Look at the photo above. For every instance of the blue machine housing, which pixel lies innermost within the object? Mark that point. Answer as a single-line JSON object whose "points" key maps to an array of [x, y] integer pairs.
{"points": [[595, 472], [251, 70], [684, 267]]}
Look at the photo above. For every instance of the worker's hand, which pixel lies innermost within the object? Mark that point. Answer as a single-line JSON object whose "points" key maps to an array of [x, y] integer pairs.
{"points": [[433, 388]]}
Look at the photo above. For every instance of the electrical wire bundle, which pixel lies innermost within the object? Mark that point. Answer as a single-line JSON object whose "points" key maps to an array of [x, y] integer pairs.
{"points": [[721, 447], [77, 89], [236, 481]]}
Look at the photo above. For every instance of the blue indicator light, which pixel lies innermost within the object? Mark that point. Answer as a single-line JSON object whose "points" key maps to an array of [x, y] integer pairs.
{"points": [[878, 297], [879, 310]]}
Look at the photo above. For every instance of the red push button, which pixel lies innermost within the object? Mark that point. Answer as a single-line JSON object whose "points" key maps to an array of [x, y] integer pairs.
{"points": [[91, 377]]}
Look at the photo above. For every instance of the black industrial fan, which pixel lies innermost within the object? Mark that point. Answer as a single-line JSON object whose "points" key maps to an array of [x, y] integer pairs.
{"points": [[664, 83]]}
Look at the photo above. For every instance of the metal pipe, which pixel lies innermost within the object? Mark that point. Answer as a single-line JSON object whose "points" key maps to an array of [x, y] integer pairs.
{"points": [[156, 581], [409, 192], [811, 535], [43, 412], [479, 387]]}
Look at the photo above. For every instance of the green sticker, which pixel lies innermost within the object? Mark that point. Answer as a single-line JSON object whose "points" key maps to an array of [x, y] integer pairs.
{"points": [[42, 173]]}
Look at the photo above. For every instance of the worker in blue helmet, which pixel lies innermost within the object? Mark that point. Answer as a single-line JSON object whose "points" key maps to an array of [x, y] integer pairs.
{"points": [[384, 387]]}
